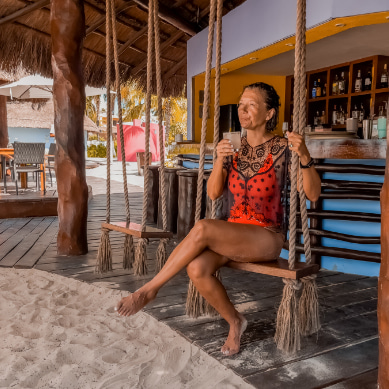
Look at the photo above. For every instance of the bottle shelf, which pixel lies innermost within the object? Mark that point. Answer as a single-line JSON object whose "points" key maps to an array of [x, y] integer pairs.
{"points": [[317, 99], [345, 96], [368, 100], [368, 92], [382, 90]]}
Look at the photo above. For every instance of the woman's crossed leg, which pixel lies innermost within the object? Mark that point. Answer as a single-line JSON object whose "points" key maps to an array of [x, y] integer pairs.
{"points": [[209, 246]]}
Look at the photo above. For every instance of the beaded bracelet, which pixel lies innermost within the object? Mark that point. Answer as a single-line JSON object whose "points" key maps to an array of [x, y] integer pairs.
{"points": [[308, 165]]}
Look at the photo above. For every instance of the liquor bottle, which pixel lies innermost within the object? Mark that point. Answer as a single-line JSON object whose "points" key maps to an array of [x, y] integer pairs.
{"points": [[367, 83], [355, 112], [318, 88], [314, 90], [358, 82], [324, 90], [341, 116], [342, 85], [334, 116], [361, 114], [335, 86], [323, 117], [384, 77]]}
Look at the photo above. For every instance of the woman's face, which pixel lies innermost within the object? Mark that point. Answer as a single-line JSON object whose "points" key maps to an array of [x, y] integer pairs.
{"points": [[252, 110]]}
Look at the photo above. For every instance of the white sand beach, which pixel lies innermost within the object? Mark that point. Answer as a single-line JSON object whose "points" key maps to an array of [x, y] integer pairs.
{"points": [[57, 332]]}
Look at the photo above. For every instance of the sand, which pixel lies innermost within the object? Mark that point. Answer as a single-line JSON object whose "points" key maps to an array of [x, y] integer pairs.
{"points": [[57, 332]]}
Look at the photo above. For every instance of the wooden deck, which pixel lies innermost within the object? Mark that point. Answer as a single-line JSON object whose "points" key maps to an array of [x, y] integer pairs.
{"points": [[343, 355]]}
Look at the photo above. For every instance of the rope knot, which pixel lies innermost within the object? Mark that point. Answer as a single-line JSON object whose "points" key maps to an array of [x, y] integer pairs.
{"points": [[295, 284], [309, 278]]}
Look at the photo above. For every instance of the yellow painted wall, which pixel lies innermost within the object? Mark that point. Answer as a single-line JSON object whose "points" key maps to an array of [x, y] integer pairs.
{"points": [[231, 87]]}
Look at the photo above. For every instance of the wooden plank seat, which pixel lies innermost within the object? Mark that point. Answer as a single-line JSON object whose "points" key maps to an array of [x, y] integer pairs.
{"points": [[135, 229], [276, 268]]}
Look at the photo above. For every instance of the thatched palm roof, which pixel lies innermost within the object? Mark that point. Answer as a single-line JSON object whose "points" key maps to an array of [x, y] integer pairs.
{"points": [[34, 115], [25, 37]]}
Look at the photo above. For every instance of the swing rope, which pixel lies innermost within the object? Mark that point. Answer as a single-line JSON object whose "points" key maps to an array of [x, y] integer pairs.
{"points": [[128, 254], [161, 255], [296, 317], [104, 255], [196, 305], [140, 267]]}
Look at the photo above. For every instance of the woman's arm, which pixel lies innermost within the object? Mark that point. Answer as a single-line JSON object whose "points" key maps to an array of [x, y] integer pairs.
{"points": [[218, 176], [311, 179]]}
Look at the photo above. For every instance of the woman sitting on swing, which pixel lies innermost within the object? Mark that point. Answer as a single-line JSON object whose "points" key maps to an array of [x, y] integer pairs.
{"points": [[252, 181]]}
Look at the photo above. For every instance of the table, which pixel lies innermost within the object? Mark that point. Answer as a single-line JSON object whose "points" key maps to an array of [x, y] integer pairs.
{"points": [[7, 153]]}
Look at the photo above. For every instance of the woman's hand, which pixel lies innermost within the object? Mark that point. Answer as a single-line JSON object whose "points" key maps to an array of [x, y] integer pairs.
{"points": [[297, 144], [224, 149]]}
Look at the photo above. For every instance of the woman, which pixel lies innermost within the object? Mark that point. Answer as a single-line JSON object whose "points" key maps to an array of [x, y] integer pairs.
{"points": [[254, 230]]}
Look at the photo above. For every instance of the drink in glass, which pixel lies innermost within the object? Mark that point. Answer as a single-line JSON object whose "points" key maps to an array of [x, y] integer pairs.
{"points": [[234, 138]]}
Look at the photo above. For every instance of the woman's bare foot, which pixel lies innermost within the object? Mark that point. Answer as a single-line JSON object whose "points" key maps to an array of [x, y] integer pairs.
{"points": [[232, 344], [134, 302]]}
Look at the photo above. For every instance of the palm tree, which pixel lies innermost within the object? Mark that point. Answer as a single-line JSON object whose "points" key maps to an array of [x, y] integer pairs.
{"points": [[133, 101], [90, 109], [179, 114]]}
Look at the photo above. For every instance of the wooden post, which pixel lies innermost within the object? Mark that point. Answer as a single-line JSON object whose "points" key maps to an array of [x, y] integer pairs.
{"points": [[3, 122], [383, 280], [67, 33]]}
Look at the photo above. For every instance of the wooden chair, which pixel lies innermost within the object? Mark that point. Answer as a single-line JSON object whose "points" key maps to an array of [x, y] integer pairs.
{"points": [[29, 158], [50, 158]]}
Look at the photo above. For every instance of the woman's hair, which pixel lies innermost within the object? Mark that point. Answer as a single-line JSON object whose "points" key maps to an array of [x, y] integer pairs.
{"points": [[272, 101]]}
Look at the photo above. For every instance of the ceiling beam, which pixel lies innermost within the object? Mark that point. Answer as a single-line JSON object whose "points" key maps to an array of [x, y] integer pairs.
{"points": [[101, 21], [172, 71], [132, 40], [163, 47], [24, 11], [171, 17]]}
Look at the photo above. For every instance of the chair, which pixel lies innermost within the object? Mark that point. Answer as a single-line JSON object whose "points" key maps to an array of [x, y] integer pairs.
{"points": [[50, 158], [29, 158]]}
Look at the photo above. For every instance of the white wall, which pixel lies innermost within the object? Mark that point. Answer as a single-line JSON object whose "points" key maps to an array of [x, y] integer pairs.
{"points": [[259, 23]]}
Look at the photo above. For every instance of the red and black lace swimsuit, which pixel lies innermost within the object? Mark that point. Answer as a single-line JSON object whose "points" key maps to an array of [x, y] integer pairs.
{"points": [[255, 185]]}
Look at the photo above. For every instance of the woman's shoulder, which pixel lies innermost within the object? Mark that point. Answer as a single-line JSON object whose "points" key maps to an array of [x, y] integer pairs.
{"points": [[280, 140]]}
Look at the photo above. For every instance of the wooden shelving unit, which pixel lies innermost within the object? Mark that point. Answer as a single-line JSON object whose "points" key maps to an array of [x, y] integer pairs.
{"points": [[371, 99]]}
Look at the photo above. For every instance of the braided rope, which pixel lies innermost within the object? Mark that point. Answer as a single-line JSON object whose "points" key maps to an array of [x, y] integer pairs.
{"points": [[162, 183], [148, 108], [205, 109], [109, 113], [119, 97], [216, 117], [302, 121]]}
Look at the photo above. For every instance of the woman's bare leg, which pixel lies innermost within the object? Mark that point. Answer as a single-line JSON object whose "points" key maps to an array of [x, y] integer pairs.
{"points": [[201, 271], [239, 242]]}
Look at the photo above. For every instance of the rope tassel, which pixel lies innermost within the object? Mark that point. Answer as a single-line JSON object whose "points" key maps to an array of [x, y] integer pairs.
{"points": [[196, 304], [104, 255], [161, 255], [287, 335], [128, 255], [309, 307], [140, 266]]}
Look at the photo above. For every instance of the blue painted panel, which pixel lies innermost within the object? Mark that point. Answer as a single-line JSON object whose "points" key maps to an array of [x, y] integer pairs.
{"points": [[194, 165], [352, 205], [352, 227], [370, 269], [353, 177], [371, 248]]}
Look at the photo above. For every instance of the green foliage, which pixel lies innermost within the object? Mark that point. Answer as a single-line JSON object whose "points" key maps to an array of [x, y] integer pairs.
{"points": [[99, 151]]}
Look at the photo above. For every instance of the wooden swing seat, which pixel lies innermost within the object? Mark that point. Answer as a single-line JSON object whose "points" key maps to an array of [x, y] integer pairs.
{"points": [[135, 229], [276, 268]]}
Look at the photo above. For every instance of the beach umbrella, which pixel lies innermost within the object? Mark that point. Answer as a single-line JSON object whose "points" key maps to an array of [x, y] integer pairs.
{"points": [[38, 87]]}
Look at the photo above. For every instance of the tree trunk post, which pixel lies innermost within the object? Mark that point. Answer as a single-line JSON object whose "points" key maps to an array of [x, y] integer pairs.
{"points": [[3, 122], [383, 280], [67, 34]]}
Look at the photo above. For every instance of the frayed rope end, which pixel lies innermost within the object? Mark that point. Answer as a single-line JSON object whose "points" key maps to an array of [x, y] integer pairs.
{"points": [[104, 255], [140, 266], [287, 336], [309, 316], [128, 254], [161, 254]]}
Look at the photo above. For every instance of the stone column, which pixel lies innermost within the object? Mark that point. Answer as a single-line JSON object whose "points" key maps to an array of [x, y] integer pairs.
{"points": [[67, 34]]}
